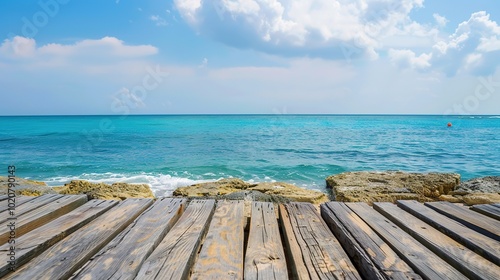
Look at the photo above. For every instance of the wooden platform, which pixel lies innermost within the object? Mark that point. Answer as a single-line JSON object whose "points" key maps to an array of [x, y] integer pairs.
{"points": [[68, 237]]}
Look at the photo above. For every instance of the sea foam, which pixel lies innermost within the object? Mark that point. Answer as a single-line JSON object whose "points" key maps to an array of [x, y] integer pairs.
{"points": [[160, 184]]}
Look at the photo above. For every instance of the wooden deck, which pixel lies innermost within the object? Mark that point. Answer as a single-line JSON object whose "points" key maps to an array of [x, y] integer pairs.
{"points": [[68, 237]]}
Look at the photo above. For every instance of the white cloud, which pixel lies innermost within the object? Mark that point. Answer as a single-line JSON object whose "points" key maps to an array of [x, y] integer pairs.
{"points": [[158, 20], [474, 47], [304, 27], [408, 59], [490, 44], [18, 47], [440, 20], [106, 47], [94, 57], [188, 8]]}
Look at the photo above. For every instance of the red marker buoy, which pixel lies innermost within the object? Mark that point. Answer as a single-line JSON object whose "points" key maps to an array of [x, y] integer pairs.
{"points": [[449, 124]]}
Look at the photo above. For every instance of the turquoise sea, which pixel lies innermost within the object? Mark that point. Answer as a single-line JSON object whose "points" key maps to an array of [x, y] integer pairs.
{"points": [[171, 151]]}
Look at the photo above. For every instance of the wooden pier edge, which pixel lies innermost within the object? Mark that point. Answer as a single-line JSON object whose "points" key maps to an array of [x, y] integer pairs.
{"points": [[68, 237]]}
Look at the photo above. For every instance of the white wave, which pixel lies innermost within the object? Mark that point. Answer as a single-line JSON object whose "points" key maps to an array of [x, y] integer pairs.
{"points": [[160, 184], [494, 117]]}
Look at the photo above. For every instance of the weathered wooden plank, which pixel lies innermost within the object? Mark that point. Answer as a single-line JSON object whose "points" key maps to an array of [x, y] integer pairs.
{"points": [[373, 257], [19, 200], [41, 216], [66, 256], [221, 255], [422, 260], [292, 249], [124, 255], [32, 205], [484, 225], [264, 258], [23, 199], [488, 210], [3, 197], [173, 257], [36, 241], [479, 243], [496, 204], [463, 259], [321, 251]]}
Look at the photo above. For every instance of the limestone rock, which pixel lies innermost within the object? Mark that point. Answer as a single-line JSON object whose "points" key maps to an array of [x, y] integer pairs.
{"points": [[104, 191], [391, 186], [451, 198], [236, 188], [249, 196], [481, 198], [489, 184], [25, 187], [221, 187], [291, 192]]}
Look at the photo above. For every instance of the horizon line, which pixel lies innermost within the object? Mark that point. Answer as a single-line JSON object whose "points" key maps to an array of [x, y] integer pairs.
{"points": [[246, 114]]}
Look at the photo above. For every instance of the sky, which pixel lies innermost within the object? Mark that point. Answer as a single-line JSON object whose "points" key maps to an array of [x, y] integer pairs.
{"points": [[121, 57]]}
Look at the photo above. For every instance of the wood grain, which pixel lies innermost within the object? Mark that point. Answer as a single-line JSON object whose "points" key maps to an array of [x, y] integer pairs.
{"points": [[484, 225], [68, 255], [32, 205], [221, 255], [422, 260], [373, 257], [265, 257], [292, 249], [173, 257], [42, 215], [321, 252], [478, 243], [463, 259], [124, 255], [19, 200], [488, 210], [36, 241]]}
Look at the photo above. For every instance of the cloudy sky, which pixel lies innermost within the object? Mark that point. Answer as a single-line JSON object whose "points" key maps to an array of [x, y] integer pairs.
{"points": [[249, 56]]}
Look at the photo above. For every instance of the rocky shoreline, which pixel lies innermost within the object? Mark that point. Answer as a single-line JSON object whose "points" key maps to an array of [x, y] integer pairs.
{"points": [[390, 186], [266, 191], [369, 187]]}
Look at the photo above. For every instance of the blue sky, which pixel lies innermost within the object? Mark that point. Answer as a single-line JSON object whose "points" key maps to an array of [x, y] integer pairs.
{"points": [[249, 56]]}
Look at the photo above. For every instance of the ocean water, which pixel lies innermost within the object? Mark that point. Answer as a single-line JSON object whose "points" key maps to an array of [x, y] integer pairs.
{"points": [[171, 151]]}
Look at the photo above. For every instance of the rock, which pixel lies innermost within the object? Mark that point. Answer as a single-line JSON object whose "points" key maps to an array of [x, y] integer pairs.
{"points": [[451, 198], [490, 184], [248, 196], [104, 191], [481, 198], [221, 187], [25, 187], [291, 192], [391, 186], [236, 188]]}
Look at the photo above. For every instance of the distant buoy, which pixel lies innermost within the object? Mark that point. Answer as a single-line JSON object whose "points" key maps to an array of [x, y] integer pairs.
{"points": [[449, 124]]}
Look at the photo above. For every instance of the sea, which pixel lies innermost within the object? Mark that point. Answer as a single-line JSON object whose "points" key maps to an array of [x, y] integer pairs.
{"points": [[170, 151]]}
